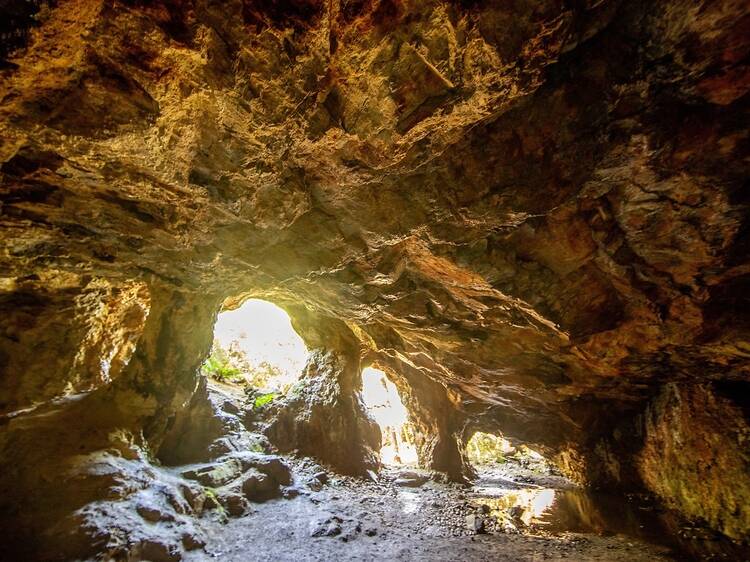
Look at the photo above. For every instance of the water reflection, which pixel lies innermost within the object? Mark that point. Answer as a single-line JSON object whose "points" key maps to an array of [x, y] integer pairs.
{"points": [[550, 511], [525, 505]]}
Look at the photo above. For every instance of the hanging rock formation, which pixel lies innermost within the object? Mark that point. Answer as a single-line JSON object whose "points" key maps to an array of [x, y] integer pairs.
{"points": [[532, 214]]}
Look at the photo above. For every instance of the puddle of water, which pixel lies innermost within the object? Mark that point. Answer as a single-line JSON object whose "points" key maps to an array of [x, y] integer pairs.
{"points": [[526, 505], [546, 510]]}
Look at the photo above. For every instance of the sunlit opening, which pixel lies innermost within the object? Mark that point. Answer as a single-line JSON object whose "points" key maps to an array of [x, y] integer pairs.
{"points": [[500, 464], [485, 448], [384, 404], [255, 344]]}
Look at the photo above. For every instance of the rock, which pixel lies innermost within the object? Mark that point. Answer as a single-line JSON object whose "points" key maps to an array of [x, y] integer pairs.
{"points": [[235, 504], [215, 475], [221, 447], [532, 215], [259, 487], [177, 501], [199, 431], [211, 502], [230, 407], [153, 513], [271, 465], [322, 420], [314, 484], [192, 541], [330, 527], [195, 496], [475, 523], [290, 492], [276, 468], [517, 512], [156, 550], [411, 480], [322, 476]]}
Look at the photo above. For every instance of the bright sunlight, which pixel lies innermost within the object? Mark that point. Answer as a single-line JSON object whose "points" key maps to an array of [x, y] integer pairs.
{"points": [[485, 448], [384, 404], [256, 344]]}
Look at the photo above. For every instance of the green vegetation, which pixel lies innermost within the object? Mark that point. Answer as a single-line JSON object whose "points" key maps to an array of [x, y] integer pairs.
{"points": [[484, 448], [256, 448], [214, 501], [230, 365], [263, 399], [218, 366]]}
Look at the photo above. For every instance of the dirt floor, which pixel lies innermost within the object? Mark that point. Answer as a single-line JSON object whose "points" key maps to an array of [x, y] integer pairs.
{"points": [[518, 510], [395, 518]]}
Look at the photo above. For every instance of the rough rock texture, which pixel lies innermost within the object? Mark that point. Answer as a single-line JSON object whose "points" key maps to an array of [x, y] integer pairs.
{"points": [[71, 336], [60, 458], [710, 422], [195, 432], [536, 211], [437, 423], [322, 416]]}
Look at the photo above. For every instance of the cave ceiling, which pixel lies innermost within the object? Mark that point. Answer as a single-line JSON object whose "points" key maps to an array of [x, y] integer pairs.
{"points": [[540, 204]]}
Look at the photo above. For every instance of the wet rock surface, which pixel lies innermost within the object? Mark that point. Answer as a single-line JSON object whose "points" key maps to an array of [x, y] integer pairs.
{"points": [[355, 519]]}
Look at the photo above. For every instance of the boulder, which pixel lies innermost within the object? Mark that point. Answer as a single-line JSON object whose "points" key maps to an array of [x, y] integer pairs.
{"points": [[235, 504], [271, 465], [475, 523], [411, 479], [215, 475], [259, 487]]}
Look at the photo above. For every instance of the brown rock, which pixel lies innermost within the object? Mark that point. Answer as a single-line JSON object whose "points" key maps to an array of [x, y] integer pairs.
{"points": [[259, 487], [234, 503], [158, 551], [215, 475], [533, 217], [270, 465]]}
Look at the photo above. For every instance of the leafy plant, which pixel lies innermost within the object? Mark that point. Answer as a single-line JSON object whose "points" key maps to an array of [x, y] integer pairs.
{"points": [[231, 364], [256, 447], [263, 399], [219, 366]]}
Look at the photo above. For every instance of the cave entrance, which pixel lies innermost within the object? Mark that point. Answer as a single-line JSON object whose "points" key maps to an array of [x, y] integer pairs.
{"points": [[519, 486], [255, 346], [487, 450], [383, 403]]}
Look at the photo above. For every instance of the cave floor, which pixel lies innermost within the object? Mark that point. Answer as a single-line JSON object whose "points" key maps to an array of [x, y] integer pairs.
{"points": [[355, 519], [518, 510]]}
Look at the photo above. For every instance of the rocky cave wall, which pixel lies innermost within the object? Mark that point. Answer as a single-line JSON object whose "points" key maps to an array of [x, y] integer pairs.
{"points": [[532, 214], [66, 335], [709, 421]]}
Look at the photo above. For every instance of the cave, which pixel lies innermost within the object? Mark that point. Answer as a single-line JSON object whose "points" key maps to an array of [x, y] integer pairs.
{"points": [[531, 217]]}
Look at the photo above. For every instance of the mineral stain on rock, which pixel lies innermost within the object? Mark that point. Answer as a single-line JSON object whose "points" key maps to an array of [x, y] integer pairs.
{"points": [[531, 216]]}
